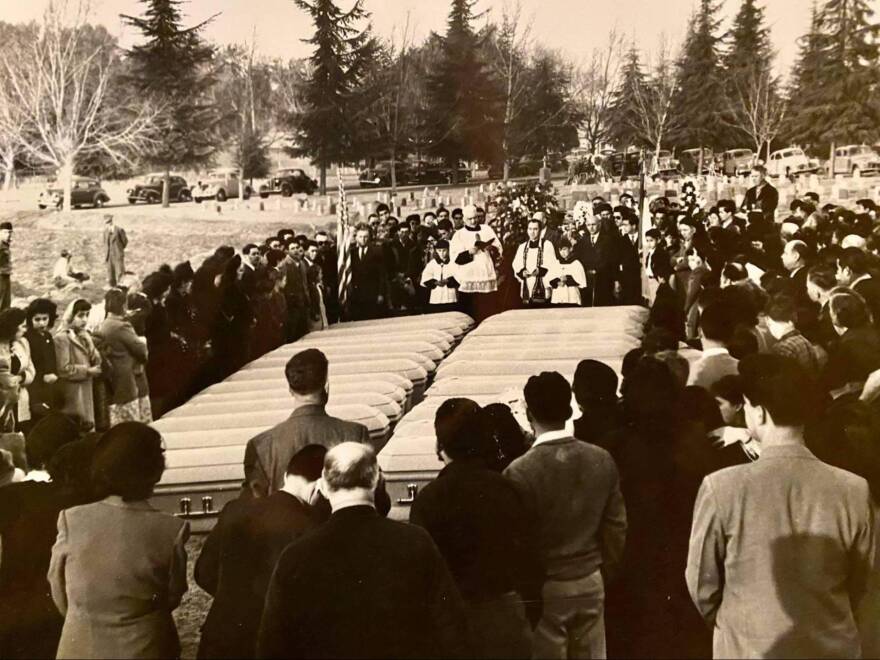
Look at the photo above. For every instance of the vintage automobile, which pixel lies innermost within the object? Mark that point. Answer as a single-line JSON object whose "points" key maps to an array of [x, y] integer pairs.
{"points": [[737, 162], [220, 184], [856, 159], [690, 161], [623, 165], [84, 192], [149, 190], [379, 176], [791, 162], [287, 182], [425, 173]]}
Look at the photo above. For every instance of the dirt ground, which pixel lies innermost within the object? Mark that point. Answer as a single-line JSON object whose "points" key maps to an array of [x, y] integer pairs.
{"points": [[191, 614]]}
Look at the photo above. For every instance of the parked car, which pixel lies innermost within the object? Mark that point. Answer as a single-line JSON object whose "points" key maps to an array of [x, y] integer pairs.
{"points": [[854, 159], [149, 190], [287, 182], [736, 162], [622, 165], [221, 185], [379, 176], [425, 173], [791, 162], [690, 161], [84, 192]]}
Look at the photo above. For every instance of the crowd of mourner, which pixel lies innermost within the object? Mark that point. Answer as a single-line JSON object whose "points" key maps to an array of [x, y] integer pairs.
{"points": [[719, 505]]}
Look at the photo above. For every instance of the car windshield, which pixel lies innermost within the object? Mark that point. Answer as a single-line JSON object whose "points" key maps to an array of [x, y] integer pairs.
{"points": [[864, 151], [153, 179], [795, 152]]}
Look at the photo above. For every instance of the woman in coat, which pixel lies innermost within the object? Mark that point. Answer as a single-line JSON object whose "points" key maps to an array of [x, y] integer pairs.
{"points": [[16, 369], [118, 567], [78, 363], [700, 276], [125, 352], [43, 391]]}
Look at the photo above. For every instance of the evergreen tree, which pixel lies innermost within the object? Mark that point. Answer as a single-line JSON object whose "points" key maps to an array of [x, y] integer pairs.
{"points": [[848, 75], [463, 97], [749, 42], [624, 111], [807, 96], [171, 66], [550, 119], [699, 101], [325, 128]]}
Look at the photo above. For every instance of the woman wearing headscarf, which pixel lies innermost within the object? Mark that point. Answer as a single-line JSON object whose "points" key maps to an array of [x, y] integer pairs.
{"points": [[124, 352], [43, 392], [79, 362]]}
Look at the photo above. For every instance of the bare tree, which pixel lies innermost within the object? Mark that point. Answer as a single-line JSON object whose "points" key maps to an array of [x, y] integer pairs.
{"points": [[757, 109], [595, 84], [653, 102], [13, 38], [510, 61], [61, 88]]}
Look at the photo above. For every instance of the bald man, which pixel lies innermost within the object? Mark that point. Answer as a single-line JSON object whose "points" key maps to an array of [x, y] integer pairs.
{"points": [[361, 585]]}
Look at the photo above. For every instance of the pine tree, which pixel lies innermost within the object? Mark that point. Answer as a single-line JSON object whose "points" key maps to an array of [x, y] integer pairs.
{"points": [[325, 128], [808, 99], [848, 75], [463, 96], [624, 113], [700, 98], [549, 121], [171, 66], [749, 42]]}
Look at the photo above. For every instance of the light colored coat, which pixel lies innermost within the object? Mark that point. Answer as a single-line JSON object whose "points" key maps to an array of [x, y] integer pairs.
{"points": [[125, 351], [118, 571], [75, 353], [779, 557]]}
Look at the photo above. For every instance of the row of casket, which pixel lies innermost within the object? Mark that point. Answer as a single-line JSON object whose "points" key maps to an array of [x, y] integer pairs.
{"points": [[492, 364], [378, 371]]}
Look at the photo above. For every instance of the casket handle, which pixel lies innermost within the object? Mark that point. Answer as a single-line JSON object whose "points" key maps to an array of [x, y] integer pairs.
{"points": [[411, 490]]}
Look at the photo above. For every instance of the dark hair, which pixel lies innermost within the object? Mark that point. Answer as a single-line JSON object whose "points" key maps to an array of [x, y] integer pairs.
{"points": [[729, 388], [70, 467], [822, 276], [654, 233], [801, 248], [461, 430], [41, 306], [457, 211], [308, 462], [780, 385], [445, 223], [129, 461], [306, 371], [848, 309], [781, 308], [696, 404], [10, 319], [382, 207], [548, 397], [48, 435], [854, 259], [156, 284], [757, 167], [114, 301], [594, 382], [716, 322]]}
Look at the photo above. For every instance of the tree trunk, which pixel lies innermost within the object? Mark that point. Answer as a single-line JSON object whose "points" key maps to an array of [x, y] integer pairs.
{"points": [[506, 170], [322, 183], [66, 174], [9, 173], [831, 161], [393, 169], [166, 188], [241, 183], [700, 162]]}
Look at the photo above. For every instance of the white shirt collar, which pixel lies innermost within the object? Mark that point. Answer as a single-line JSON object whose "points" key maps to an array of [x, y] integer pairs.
{"points": [[715, 350], [551, 435], [861, 278]]}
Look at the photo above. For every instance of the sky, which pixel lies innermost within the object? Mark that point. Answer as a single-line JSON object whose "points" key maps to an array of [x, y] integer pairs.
{"points": [[574, 27]]}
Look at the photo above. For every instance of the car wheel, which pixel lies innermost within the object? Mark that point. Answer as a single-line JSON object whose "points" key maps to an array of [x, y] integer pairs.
{"points": [[264, 194], [99, 201], [247, 193], [152, 198], [184, 196], [221, 195], [42, 206], [286, 190], [132, 200]]}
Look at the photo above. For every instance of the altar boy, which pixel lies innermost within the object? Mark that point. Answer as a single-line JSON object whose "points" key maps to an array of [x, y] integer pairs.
{"points": [[438, 278]]}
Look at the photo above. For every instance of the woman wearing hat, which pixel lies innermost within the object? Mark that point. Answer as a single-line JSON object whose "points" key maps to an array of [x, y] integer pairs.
{"points": [[118, 566], [16, 370], [78, 362]]}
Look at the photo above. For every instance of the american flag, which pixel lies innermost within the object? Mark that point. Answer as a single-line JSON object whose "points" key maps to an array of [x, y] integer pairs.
{"points": [[343, 246]]}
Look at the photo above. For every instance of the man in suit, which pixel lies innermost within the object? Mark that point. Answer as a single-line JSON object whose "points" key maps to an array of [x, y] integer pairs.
{"points": [[241, 551], [716, 326], [253, 268], [478, 522], [296, 290], [5, 265], [361, 585], [853, 271], [630, 258], [369, 277], [761, 196], [781, 549], [820, 282], [115, 242], [572, 489], [796, 261], [598, 253], [267, 455]]}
